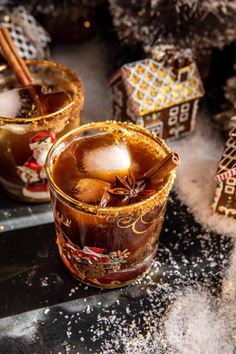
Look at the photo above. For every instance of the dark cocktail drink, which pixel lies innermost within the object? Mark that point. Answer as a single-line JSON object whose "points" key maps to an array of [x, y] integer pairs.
{"points": [[109, 197], [27, 133]]}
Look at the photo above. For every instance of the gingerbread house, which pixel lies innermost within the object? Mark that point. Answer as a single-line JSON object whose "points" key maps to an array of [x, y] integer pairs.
{"points": [[225, 195], [158, 96]]}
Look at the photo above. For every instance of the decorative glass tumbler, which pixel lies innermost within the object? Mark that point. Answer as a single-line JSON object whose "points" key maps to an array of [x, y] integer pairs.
{"points": [[106, 242], [26, 134]]}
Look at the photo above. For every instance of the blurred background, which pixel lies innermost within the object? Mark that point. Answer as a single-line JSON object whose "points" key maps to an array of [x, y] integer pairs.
{"points": [[128, 31]]}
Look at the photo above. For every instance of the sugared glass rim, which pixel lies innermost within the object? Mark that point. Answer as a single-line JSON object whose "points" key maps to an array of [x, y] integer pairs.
{"points": [[95, 209], [61, 67]]}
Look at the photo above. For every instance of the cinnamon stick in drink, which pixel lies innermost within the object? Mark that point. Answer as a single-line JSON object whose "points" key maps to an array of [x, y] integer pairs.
{"points": [[14, 59], [18, 65], [163, 167]]}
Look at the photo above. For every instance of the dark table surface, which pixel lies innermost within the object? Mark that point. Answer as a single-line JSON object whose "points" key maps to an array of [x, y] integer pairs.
{"points": [[44, 309]]}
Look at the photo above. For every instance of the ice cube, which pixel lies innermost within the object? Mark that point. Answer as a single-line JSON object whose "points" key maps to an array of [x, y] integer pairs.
{"points": [[10, 103], [16, 103], [108, 160], [90, 190]]}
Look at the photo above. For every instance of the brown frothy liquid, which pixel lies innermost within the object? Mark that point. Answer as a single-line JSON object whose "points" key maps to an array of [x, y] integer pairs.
{"points": [[80, 162]]}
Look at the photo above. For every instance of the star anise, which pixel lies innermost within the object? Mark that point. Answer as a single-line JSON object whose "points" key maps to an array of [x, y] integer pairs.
{"points": [[126, 190], [129, 190]]}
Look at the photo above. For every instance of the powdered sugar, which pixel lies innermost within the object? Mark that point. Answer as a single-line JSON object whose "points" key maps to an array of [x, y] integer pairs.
{"points": [[193, 325], [200, 153], [44, 282]]}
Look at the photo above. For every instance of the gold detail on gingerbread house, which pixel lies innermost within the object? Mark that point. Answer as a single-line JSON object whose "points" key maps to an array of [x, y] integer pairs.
{"points": [[227, 211]]}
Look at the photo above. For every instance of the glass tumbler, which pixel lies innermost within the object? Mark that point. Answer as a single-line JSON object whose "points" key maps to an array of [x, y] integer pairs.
{"points": [[107, 247], [25, 141]]}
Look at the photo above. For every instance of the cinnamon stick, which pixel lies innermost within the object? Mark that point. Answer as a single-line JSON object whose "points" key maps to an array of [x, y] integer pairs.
{"points": [[18, 65], [163, 167], [17, 56]]}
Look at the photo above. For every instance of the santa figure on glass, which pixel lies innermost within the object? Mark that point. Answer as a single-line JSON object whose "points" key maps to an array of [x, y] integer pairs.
{"points": [[32, 172]]}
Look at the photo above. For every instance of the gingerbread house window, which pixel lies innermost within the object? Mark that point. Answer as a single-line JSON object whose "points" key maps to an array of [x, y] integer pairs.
{"points": [[230, 187], [183, 74], [231, 181], [184, 112], [156, 128]]}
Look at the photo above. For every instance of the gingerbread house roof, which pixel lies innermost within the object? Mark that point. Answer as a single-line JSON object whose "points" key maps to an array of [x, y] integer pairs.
{"points": [[227, 165], [152, 86]]}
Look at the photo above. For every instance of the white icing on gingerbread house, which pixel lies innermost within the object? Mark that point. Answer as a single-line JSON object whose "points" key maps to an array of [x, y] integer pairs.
{"points": [[153, 87], [227, 165], [225, 195]]}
